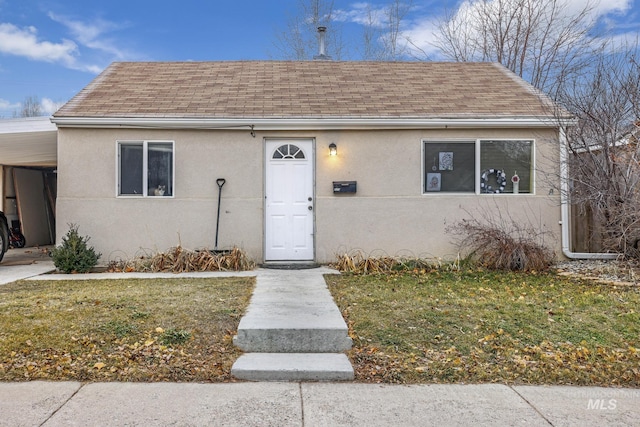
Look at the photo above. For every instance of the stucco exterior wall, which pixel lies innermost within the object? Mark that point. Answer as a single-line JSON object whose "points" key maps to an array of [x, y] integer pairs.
{"points": [[125, 226], [388, 214]]}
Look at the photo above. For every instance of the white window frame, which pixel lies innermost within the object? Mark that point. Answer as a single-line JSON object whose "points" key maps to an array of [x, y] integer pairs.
{"points": [[478, 172], [145, 174]]}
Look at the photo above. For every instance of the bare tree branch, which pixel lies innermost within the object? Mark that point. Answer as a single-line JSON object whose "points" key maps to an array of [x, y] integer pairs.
{"points": [[299, 39], [383, 37], [30, 107], [539, 40], [604, 161]]}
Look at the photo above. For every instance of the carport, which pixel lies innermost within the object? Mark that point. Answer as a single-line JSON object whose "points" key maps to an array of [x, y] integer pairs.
{"points": [[28, 160]]}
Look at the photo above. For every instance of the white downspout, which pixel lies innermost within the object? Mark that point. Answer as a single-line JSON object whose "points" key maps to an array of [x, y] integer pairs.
{"points": [[564, 209]]}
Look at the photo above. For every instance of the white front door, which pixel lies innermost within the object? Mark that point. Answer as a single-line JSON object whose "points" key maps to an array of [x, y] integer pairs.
{"points": [[289, 200]]}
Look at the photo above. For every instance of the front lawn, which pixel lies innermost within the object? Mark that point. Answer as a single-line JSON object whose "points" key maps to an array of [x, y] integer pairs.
{"points": [[478, 326], [422, 327], [121, 330]]}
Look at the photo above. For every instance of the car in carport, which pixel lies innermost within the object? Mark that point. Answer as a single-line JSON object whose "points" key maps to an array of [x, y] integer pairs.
{"points": [[4, 235]]}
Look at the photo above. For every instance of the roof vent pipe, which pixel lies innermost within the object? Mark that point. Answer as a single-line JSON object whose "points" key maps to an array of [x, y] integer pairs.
{"points": [[322, 56]]}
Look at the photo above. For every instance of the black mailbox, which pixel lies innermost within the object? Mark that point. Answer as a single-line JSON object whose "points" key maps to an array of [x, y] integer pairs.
{"points": [[344, 187]]}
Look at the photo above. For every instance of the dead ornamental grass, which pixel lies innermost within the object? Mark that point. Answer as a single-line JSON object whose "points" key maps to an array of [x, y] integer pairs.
{"points": [[181, 260], [479, 326], [121, 330], [358, 262]]}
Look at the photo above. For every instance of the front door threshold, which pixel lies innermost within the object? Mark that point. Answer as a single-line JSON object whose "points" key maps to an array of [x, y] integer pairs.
{"points": [[290, 265]]}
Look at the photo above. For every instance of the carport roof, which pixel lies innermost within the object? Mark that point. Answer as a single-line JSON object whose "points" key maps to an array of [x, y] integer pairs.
{"points": [[28, 141], [298, 90]]}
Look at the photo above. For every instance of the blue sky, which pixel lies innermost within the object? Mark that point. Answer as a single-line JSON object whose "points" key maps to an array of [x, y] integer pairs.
{"points": [[53, 48]]}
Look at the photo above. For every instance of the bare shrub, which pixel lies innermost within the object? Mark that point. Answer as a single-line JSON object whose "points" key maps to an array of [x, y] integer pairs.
{"points": [[180, 260], [503, 245]]}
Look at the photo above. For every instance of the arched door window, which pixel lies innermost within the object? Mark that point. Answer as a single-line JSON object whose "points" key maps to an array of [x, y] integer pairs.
{"points": [[288, 151]]}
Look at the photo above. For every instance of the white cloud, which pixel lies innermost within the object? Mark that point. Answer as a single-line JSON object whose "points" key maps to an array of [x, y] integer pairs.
{"points": [[600, 8], [362, 13], [91, 34], [422, 37], [421, 24], [49, 106], [421, 30], [7, 105], [24, 42], [9, 109], [416, 34]]}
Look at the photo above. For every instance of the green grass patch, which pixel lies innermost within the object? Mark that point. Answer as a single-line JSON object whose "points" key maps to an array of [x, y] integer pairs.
{"points": [[479, 326], [121, 330], [173, 336]]}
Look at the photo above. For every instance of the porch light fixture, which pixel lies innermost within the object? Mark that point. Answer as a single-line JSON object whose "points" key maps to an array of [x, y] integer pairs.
{"points": [[333, 149]]}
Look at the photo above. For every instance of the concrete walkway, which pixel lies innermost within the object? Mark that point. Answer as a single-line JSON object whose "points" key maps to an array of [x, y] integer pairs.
{"points": [[293, 330], [24, 263], [312, 404]]}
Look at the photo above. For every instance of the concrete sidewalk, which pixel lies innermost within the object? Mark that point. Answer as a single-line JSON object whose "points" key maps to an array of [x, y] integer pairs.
{"points": [[312, 404]]}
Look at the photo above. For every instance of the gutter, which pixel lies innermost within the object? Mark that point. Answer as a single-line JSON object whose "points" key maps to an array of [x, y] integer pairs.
{"points": [[564, 209], [312, 123]]}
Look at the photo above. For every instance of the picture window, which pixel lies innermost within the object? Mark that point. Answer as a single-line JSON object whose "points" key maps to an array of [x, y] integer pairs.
{"points": [[478, 166]]}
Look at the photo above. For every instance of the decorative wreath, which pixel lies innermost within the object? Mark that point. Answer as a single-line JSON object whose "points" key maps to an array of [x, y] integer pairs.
{"points": [[501, 177]]}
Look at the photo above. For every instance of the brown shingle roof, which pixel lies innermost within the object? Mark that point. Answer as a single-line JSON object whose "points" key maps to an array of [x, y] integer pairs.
{"points": [[306, 89]]}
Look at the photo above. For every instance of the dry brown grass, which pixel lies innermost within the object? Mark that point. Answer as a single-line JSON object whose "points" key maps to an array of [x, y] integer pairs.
{"points": [[121, 330], [479, 326], [359, 263]]}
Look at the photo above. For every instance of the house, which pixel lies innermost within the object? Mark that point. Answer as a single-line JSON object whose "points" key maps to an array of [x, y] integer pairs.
{"points": [[28, 158], [318, 157]]}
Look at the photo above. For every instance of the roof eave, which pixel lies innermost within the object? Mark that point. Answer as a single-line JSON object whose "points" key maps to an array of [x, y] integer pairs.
{"points": [[264, 124], [26, 125]]}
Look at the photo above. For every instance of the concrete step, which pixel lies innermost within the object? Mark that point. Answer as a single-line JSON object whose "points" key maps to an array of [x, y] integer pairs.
{"points": [[293, 367], [295, 339], [292, 312]]}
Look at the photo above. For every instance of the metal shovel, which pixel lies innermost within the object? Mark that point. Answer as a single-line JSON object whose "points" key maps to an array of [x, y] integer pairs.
{"points": [[220, 182]]}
